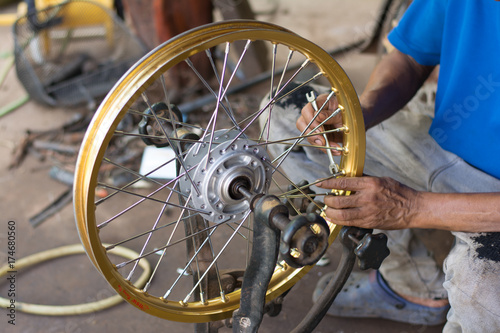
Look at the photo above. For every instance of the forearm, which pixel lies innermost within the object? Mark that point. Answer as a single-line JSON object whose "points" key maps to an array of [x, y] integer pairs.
{"points": [[392, 84], [469, 212]]}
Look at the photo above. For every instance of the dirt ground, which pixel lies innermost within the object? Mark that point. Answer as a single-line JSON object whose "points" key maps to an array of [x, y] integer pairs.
{"points": [[28, 188]]}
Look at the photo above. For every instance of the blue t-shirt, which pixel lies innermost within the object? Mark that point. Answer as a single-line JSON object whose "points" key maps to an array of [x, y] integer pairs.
{"points": [[463, 36]]}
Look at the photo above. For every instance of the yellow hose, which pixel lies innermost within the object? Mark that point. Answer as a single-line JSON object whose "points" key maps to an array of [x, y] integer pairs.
{"points": [[68, 310]]}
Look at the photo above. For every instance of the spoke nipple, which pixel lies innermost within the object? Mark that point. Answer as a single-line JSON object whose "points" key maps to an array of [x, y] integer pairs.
{"points": [[315, 229], [120, 265], [223, 297], [182, 271], [183, 303], [203, 299], [295, 253], [162, 299], [103, 225]]}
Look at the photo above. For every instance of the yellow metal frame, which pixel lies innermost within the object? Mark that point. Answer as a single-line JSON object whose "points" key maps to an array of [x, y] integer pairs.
{"points": [[22, 9]]}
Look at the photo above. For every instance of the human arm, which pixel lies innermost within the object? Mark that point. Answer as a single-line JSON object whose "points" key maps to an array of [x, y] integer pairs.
{"points": [[392, 84], [383, 203]]}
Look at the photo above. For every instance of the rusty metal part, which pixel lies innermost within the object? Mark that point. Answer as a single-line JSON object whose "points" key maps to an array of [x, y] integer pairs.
{"points": [[157, 123], [55, 206], [299, 205], [304, 240]]}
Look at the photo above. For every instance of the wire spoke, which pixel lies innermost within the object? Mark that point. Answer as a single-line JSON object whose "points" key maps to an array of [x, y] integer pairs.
{"points": [[195, 230], [109, 247], [219, 99], [282, 157], [173, 121], [221, 291], [207, 85], [259, 113], [299, 188], [138, 179], [167, 293], [179, 159], [285, 69], [163, 252], [188, 296], [148, 238], [148, 197], [253, 116], [301, 138]]}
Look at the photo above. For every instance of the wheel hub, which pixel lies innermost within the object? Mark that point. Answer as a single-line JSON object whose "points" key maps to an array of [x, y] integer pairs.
{"points": [[218, 175]]}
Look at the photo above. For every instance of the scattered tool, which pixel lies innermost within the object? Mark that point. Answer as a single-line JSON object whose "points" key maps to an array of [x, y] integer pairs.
{"points": [[54, 207], [311, 98]]}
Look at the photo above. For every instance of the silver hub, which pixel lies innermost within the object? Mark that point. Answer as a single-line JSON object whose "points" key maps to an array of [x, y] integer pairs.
{"points": [[229, 165]]}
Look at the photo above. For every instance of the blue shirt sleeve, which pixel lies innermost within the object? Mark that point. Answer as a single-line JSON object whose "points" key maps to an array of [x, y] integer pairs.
{"points": [[420, 31]]}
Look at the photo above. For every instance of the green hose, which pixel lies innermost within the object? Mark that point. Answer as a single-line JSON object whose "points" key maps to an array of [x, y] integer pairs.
{"points": [[16, 104]]}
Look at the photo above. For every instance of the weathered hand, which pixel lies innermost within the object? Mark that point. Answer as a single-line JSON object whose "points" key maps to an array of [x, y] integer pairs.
{"points": [[308, 113], [375, 203]]}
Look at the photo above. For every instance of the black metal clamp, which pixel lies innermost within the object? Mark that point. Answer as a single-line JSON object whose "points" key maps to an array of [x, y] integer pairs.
{"points": [[304, 241]]}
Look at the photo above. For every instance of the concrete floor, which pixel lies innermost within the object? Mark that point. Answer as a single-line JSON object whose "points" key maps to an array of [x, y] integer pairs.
{"points": [[27, 189]]}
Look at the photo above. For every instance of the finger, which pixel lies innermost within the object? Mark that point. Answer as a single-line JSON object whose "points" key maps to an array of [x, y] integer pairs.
{"points": [[341, 202], [345, 183], [322, 115], [326, 108], [302, 125], [332, 102], [347, 217], [309, 115]]}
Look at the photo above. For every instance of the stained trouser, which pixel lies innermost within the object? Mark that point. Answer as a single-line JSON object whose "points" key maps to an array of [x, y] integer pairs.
{"points": [[401, 148]]}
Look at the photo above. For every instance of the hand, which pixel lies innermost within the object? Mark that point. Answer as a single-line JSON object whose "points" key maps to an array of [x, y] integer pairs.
{"points": [[375, 203], [308, 113]]}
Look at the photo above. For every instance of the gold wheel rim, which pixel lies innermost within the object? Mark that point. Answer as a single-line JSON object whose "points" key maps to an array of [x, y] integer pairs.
{"points": [[116, 105]]}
